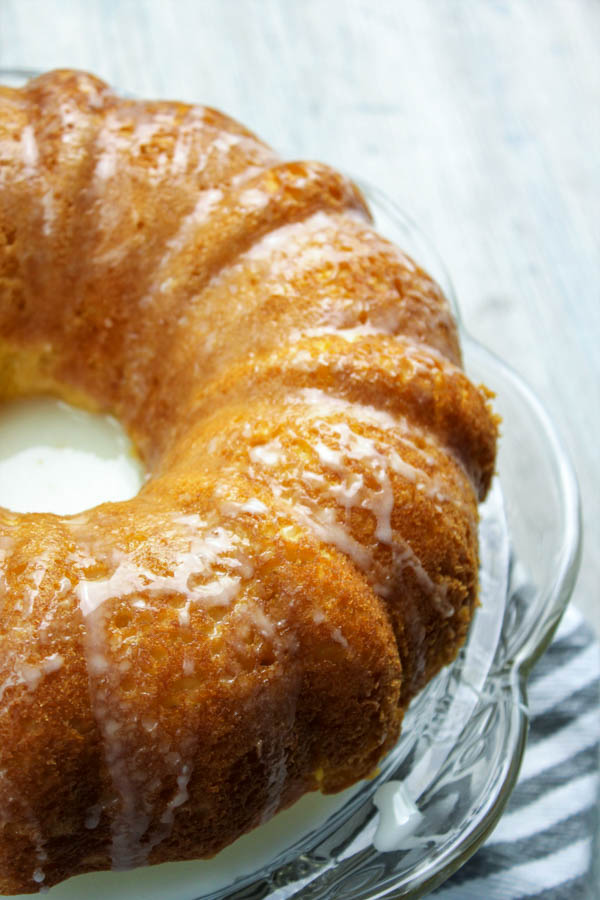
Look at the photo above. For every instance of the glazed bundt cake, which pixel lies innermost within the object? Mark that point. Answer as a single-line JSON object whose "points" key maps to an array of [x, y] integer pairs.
{"points": [[302, 558]]}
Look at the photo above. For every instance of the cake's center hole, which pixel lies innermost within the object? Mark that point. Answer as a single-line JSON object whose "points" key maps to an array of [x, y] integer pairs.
{"points": [[56, 458]]}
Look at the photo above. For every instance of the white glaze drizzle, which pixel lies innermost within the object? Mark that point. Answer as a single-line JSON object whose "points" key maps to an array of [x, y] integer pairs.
{"points": [[403, 558], [399, 817], [252, 199], [31, 582], [321, 404], [336, 448], [22, 671], [254, 507], [323, 523], [326, 405], [285, 253], [29, 150], [194, 552], [269, 454], [30, 674], [180, 797], [351, 334], [354, 446], [203, 551], [412, 358], [308, 243], [131, 817]]}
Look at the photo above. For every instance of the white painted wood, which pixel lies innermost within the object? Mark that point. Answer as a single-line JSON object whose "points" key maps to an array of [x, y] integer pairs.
{"points": [[481, 118]]}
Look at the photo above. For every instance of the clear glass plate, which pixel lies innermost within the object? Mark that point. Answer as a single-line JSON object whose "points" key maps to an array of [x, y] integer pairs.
{"points": [[464, 735]]}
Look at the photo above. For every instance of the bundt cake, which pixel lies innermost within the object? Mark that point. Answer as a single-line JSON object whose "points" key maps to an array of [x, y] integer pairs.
{"points": [[302, 557]]}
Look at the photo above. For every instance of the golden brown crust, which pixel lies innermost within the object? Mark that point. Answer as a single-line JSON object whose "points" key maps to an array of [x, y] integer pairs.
{"points": [[175, 669]]}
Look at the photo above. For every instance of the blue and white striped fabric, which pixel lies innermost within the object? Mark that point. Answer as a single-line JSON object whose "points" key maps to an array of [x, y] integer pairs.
{"points": [[544, 845]]}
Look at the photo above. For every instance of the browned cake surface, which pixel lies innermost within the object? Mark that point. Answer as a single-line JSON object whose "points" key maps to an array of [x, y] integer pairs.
{"points": [[303, 558]]}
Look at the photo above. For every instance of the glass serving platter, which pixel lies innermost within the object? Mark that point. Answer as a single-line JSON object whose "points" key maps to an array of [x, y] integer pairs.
{"points": [[464, 736]]}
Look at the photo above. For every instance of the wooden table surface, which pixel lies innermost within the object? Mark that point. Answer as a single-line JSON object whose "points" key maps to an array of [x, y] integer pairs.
{"points": [[481, 118]]}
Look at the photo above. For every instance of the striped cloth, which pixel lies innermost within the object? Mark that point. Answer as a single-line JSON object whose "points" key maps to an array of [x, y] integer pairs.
{"points": [[543, 846]]}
